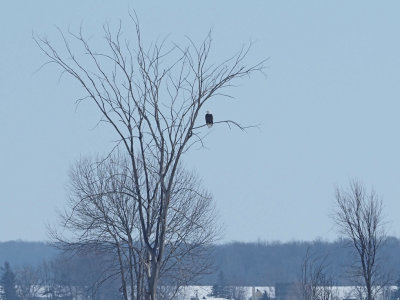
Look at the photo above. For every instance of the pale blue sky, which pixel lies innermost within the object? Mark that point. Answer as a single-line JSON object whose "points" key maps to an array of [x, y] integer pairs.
{"points": [[328, 110]]}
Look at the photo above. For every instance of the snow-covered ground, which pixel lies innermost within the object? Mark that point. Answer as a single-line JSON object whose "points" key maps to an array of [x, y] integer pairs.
{"points": [[203, 292]]}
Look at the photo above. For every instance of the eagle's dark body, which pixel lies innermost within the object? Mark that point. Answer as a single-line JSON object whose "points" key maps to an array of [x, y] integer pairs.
{"points": [[209, 119]]}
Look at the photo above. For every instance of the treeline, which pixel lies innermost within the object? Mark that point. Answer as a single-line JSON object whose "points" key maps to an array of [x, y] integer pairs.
{"points": [[61, 277], [265, 263], [236, 263], [20, 253]]}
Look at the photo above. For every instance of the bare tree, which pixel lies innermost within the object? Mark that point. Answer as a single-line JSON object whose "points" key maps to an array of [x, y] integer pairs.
{"points": [[103, 213], [29, 282], [152, 96], [359, 217], [315, 283], [238, 293], [68, 276]]}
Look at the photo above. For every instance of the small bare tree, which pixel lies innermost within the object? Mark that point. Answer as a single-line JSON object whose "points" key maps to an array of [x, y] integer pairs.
{"points": [[315, 283], [154, 97], [29, 282], [359, 217], [239, 293]]}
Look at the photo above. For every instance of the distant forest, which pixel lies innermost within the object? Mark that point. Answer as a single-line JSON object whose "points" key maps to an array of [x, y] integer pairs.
{"points": [[236, 263]]}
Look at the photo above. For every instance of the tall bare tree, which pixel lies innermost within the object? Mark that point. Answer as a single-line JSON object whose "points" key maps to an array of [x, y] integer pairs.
{"points": [[154, 97], [359, 217]]}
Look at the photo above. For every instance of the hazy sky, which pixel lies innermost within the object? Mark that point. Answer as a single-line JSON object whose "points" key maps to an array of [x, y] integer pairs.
{"points": [[328, 110]]}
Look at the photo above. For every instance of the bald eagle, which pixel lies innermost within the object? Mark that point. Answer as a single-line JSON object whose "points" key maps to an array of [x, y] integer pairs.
{"points": [[209, 119]]}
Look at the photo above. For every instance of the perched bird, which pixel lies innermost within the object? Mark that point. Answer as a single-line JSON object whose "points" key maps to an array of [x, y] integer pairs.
{"points": [[209, 119]]}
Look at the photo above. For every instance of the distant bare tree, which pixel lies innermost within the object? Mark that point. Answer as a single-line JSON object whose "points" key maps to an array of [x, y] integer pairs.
{"points": [[69, 277], [238, 293], [359, 217], [154, 97], [315, 283], [29, 282]]}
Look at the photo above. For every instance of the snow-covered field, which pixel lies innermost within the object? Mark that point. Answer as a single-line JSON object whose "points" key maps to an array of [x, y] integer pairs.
{"points": [[203, 292]]}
